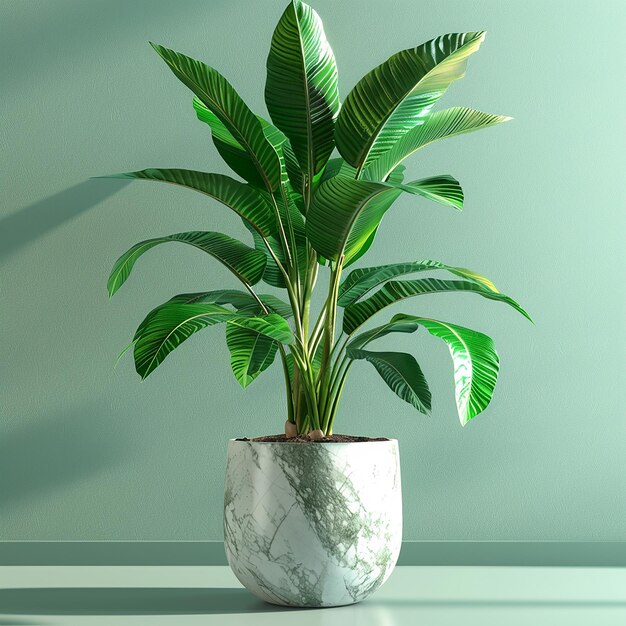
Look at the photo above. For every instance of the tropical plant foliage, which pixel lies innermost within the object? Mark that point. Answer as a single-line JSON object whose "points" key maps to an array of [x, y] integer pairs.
{"points": [[306, 211]]}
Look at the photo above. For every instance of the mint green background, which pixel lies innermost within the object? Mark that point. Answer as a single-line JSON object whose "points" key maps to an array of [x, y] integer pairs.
{"points": [[87, 452]]}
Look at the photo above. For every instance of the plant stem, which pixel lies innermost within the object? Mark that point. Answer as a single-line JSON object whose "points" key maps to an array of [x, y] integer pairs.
{"points": [[337, 397], [329, 334], [309, 387]]}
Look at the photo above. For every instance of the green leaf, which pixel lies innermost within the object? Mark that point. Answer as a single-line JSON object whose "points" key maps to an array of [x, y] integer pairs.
{"points": [[228, 147], [251, 204], [357, 314], [165, 328], [346, 212], [441, 189], [476, 365], [360, 281], [301, 90], [242, 301], [402, 374], [261, 349], [392, 98], [435, 126], [244, 262], [236, 298], [381, 205], [250, 353], [219, 96], [169, 325], [399, 324]]}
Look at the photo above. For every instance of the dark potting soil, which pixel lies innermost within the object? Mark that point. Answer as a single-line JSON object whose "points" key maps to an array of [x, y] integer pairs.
{"points": [[307, 439]]}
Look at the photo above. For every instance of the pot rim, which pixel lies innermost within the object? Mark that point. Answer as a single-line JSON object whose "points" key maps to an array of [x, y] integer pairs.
{"points": [[317, 443]]}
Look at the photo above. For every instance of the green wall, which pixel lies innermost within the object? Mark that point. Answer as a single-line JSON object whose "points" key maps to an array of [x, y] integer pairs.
{"points": [[87, 452]]}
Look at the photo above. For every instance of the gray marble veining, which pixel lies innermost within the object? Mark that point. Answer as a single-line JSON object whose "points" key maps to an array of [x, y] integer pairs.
{"points": [[312, 524]]}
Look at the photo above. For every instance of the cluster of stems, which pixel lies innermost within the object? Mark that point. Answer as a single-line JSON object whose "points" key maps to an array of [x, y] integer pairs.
{"points": [[316, 372]]}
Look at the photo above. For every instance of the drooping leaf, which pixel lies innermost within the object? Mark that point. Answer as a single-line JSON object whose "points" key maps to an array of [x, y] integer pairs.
{"points": [[169, 325], [301, 90], [435, 126], [272, 274], [251, 204], [381, 205], [228, 147], [250, 353], [357, 314], [219, 96], [402, 374], [242, 301], [441, 189], [344, 215], [398, 324], [476, 365], [362, 280], [271, 303], [392, 98], [234, 297], [244, 262]]}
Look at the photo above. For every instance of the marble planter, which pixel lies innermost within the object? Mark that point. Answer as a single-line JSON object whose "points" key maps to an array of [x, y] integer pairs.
{"points": [[312, 525]]}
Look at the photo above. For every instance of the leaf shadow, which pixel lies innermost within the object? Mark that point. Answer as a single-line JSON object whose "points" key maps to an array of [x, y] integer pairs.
{"points": [[32, 222], [55, 450]]}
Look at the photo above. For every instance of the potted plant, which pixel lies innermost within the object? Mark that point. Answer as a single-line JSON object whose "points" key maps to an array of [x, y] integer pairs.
{"points": [[312, 518]]}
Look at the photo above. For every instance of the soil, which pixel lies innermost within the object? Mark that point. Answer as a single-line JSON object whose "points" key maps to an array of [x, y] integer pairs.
{"points": [[307, 439]]}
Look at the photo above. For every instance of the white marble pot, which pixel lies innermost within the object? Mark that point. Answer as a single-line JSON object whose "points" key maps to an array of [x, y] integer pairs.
{"points": [[313, 524]]}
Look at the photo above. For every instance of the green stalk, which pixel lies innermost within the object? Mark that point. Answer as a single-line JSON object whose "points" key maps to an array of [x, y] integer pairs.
{"points": [[329, 334], [337, 397], [309, 386]]}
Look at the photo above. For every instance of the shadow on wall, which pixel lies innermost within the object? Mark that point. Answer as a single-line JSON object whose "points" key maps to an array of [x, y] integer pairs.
{"points": [[54, 451], [28, 224]]}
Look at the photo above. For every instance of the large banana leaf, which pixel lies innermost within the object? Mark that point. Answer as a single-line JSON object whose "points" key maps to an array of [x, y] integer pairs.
{"points": [[344, 215], [251, 204], [400, 323], [169, 325], [243, 302], [392, 98], [301, 90], [476, 365], [218, 95], [362, 280], [357, 314], [381, 205], [402, 374], [244, 262], [441, 189], [439, 125], [272, 274], [400, 371], [250, 353], [238, 159], [228, 147]]}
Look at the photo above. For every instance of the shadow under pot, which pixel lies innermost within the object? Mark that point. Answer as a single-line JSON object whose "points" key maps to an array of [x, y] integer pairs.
{"points": [[312, 524]]}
